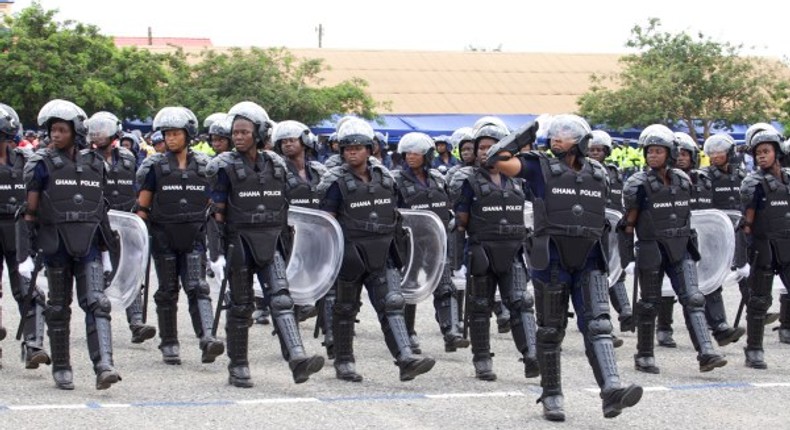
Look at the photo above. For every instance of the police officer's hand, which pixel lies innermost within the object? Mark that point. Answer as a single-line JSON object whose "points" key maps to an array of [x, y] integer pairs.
{"points": [[106, 262], [743, 271], [26, 268]]}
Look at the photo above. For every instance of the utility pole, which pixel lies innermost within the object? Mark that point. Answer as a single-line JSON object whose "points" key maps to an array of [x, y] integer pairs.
{"points": [[320, 31]]}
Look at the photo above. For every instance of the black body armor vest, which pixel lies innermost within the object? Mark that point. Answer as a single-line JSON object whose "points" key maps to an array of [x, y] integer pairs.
{"points": [[726, 187], [434, 198], [666, 218], [119, 191]]}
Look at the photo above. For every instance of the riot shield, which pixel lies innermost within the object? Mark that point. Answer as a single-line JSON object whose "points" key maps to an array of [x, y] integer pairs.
{"points": [[427, 254], [125, 284], [316, 255], [735, 216], [613, 253]]}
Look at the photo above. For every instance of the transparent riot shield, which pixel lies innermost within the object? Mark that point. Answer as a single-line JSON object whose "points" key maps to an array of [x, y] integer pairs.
{"points": [[427, 254], [125, 284], [316, 255]]}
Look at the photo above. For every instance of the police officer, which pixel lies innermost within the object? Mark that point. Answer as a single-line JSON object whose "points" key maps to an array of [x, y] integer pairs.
{"points": [[657, 208], [219, 134], [120, 165], [599, 149], [766, 196], [703, 191], [12, 196], [490, 207], [420, 187], [567, 255], [299, 149], [444, 159], [251, 214], [173, 198], [66, 220], [158, 142], [362, 196]]}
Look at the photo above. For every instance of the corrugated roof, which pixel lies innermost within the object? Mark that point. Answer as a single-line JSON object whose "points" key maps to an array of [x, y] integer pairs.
{"points": [[462, 82]]}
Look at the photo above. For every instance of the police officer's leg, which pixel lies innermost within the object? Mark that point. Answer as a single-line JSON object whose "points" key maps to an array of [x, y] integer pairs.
{"points": [[761, 281], [480, 289], [58, 313], [445, 302], [262, 312], [784, 315], [664, 331], [513, 286], [717, 319], [282, 305], [683, 275], [134, 315], [166, 298], [89, 274], [552, 291], [237, 320], [621, 303], [502, 316], [593, 286], [33, 322], [345, 313], [410, 315], [193, 277], [385, 295], [651, 276]]}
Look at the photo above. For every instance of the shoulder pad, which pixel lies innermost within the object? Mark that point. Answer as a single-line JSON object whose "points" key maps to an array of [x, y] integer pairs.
{"points": [[24, 152], [457, 181], [276, 159], [201, 158], [749, 186], [385, 172], [397, 175], [333, 161], [684, 177], [30, 166], [631, 186], [123, 152], [218, 163], [317, 167], [598, 170], [146, 167], [329, 178], [374, 161], [438, 177], [91, 154]]}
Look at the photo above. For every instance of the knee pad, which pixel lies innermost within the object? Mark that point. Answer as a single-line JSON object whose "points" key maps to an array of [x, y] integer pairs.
{"points": [[241, 311], [552, 335], [394, 301], [165, 296], [101, 305], [282, 302], [696, 300], [646, 308], [167, 271], [348, 310], [599, 326], [760, 303]]}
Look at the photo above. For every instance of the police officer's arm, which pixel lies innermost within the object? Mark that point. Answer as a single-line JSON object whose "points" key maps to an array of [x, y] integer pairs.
{"points": [[144, 199], [145, 180], [510, 166], [751, 195]]}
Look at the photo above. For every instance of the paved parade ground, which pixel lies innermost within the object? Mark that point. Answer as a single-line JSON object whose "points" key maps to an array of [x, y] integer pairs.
{"points": [[194, 395]]}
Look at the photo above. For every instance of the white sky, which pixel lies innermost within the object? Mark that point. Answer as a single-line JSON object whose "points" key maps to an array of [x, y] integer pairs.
{"points": [[519, 26]]}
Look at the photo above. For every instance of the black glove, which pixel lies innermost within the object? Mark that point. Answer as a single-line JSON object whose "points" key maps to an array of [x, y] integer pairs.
{"points": [[625, 244]]}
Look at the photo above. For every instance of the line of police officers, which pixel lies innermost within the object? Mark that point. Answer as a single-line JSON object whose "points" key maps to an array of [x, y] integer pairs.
{"points": [[55, 210]]}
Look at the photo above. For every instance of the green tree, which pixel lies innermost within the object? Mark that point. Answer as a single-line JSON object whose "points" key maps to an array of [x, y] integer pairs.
{"points": [[43, 59], [678, 78], [286, 86]]}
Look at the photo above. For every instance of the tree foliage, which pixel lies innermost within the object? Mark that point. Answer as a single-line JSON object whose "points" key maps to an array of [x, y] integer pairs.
{"points": [[286, 86], [43, 59], [682, 79]]}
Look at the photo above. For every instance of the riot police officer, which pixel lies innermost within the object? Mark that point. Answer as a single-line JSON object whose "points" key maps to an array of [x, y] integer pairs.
{"points": [[219, 134], [766, 196], [66, 220], [567, 256], [173, 198], [490, 207], [444, 159], [657, 204], [421, 187], [599, 149], [120, 165], [361, 195], [249, 191], [12, 196]]}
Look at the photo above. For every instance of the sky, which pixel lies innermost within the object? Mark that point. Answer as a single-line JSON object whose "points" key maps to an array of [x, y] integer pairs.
{"points": [[563, 26]]}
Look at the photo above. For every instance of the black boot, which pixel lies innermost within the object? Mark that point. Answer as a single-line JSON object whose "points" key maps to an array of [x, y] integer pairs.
{"points": [[664, 327], [551, 381], [448, 317], [784, 318], [33, 352], [755, 330], [134, 314], [479, 332], [168, 333], [615, 397], [716, 317], [61, 359], [300, 364], [524, 332], [237, 332], [707, 356], [327, 308], [502, 317], [210, 346], [396, 336], [100, 349], [261, 314], [644, 360], [345, 369]]}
